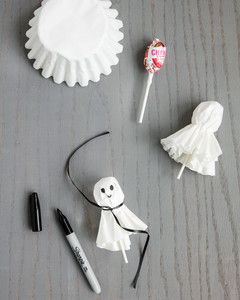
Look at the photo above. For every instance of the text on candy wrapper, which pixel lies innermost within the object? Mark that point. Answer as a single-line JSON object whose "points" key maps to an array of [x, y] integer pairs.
{"points": [[158, 52]]}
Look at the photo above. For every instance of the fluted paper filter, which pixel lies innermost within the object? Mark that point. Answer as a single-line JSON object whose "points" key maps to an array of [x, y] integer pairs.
{"points": [[74, 40]]}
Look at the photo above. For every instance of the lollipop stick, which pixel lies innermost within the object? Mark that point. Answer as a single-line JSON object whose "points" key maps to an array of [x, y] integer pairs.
{"points": [[123, 252], [183, 167], [144, 101], [181, 171]]}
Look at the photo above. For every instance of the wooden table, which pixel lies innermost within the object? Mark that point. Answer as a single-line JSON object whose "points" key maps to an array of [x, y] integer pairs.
{"points": [[194, 222]]}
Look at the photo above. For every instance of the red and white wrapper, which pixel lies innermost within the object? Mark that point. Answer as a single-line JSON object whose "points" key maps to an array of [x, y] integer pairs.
{"points": [[154, 56]]}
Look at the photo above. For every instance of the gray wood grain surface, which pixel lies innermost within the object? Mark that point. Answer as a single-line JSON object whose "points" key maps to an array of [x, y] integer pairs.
{"points": [[194, 223]]}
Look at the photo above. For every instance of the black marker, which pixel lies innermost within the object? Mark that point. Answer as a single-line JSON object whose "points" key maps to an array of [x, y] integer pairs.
{"points": [[79, 253]]}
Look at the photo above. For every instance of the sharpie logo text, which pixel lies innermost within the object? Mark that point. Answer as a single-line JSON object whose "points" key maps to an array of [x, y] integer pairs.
{"points": [[77, 253]]}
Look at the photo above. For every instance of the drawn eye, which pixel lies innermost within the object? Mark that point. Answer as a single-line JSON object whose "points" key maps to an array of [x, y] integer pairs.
{"points": [[111, 187], [103, 190]]}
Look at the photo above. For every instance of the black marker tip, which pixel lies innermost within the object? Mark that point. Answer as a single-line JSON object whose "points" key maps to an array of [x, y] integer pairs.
{"points": [[64, 222], [59, 215], [59, 211]]}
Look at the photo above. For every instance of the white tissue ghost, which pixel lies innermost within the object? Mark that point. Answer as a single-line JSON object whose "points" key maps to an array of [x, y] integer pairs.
{"points": [[195, 146], [107, 192]]}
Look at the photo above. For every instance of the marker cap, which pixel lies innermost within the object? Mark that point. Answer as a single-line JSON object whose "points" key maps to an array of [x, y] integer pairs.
{"points": [[35, 212]]}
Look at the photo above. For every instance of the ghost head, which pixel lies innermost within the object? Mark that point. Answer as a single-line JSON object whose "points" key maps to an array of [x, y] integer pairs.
{"points": [[107, 192], [209, 115]]}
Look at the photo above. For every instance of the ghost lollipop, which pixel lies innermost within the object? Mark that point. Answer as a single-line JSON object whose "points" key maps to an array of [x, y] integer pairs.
{"points": [[195, 146], [117, 222], [153, 61], [107, 192]]}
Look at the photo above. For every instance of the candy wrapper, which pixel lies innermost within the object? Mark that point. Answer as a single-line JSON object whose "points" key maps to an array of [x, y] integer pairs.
{"points": [[153, 61]]}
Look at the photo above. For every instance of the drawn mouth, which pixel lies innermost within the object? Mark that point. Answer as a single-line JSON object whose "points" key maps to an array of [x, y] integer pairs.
{"points": [[109, 196]]}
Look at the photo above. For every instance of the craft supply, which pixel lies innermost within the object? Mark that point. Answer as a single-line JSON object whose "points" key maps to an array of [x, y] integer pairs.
{"points": [[35, 212], [117, 221], [153, 61], [107, 192], [195, 146], [74, 40], [79, 253]]}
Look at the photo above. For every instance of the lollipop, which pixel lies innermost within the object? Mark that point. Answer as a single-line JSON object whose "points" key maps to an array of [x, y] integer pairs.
{"points": [[153, 61]]}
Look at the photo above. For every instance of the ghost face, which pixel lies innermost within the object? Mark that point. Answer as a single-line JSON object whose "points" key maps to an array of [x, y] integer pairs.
{"points": [[107, 192]]}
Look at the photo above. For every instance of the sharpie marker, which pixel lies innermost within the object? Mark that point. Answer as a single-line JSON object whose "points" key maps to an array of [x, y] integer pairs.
{"points": [[79, 253]]}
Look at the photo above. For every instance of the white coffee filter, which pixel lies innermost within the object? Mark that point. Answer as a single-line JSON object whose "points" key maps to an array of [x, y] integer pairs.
{"points": [[74, 40]]}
